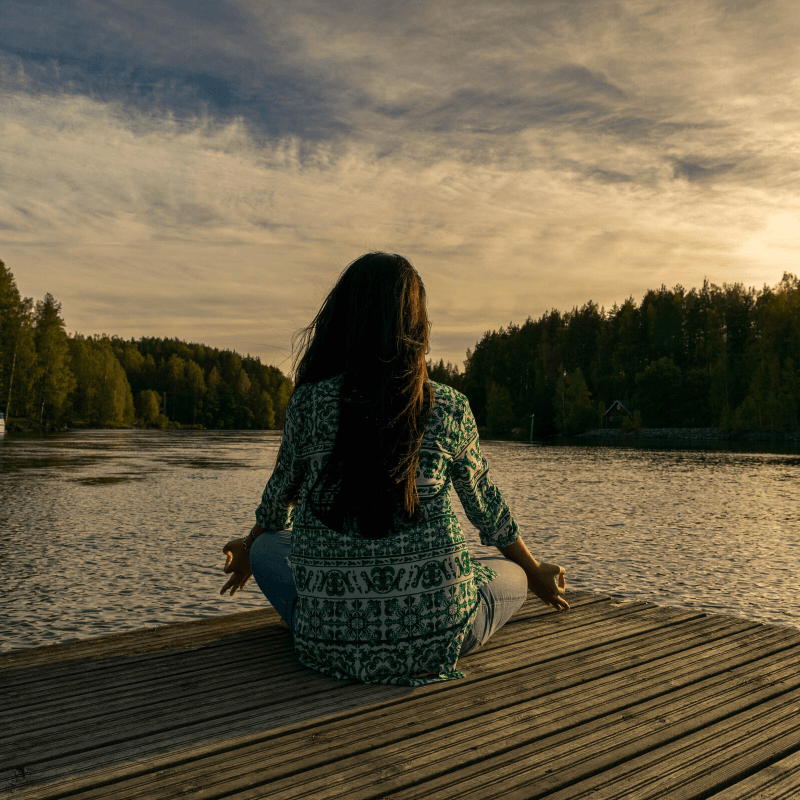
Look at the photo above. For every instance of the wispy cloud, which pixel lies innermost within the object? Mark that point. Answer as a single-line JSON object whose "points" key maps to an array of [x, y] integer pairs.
{"points": [[204, 170]]}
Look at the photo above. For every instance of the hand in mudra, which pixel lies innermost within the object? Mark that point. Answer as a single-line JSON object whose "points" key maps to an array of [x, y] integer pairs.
{"points": [[237, 564], [548, 582]]}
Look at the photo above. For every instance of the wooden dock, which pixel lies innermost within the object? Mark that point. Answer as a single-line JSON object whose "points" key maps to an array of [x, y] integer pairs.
{"points": [[612, 700]]}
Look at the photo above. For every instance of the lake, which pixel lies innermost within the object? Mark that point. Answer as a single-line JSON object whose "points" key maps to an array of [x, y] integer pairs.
{"points": [[110, 531]]}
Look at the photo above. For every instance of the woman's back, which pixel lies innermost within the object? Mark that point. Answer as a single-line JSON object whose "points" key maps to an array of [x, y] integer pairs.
{"points": [[395, 608]]}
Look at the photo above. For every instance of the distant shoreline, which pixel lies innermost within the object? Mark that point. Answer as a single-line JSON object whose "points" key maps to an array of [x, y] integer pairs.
{"points": [[677, 436], [692, 435], [682, 435], [29, 426]]}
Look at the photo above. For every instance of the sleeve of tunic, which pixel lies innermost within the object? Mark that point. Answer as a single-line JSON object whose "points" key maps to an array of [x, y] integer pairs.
{"points": [[483, 504], [274, 513]]}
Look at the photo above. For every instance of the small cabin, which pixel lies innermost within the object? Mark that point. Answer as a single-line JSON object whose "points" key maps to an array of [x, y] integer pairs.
{"points": [[617, 411]]}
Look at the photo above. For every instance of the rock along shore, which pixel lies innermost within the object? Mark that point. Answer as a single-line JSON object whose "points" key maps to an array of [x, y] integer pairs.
{"points": [[694, 435]]}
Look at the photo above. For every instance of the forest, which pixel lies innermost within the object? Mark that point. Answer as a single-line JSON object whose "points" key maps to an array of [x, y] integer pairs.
{"points": [[51, 379], [719, 356]]}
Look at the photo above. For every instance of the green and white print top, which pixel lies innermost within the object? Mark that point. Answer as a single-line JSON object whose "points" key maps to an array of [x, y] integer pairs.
{"points": [[392, 610]]}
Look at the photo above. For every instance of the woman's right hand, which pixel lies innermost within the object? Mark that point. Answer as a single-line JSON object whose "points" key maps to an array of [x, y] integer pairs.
{"points": [[548, 582], [237, 564]]}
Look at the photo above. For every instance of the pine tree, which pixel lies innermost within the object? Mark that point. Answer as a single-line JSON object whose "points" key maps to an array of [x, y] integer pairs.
{"points": [[499, 411], [17, 351], [195, 386], [55, 379], [102, 394], [10, 313], [580, 410], [149, 403]]}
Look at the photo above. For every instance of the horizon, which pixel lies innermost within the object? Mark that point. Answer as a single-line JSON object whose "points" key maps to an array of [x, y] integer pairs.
{"points": [[433, 360]]}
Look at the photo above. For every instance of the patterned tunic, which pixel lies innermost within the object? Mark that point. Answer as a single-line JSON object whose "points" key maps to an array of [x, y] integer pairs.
{"points": [[392, 610]]}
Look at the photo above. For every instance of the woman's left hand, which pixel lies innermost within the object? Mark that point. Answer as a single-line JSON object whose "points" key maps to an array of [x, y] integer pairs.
{"points": [[548, 582], [237, 564]]}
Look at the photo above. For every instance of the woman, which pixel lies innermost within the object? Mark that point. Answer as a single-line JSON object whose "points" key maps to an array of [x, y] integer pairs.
{"points": [[355, 543]]}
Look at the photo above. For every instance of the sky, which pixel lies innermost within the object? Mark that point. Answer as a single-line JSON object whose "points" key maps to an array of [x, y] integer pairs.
{"points": [[205, 170]]}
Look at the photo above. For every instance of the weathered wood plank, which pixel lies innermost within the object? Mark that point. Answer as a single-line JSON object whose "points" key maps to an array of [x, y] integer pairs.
{"points": [[515, 750], [561, 760], [63, 677], [123, 689], [182, 635], [778, 781], [697, 764], [198, 706], [612, 700], [329, 743], [127, 680], [181, 666], [335, 704], [136, 723], [151, 640], [98, 714]]}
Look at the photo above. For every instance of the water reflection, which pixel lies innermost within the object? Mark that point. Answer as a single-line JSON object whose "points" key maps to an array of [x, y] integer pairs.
{"points": [[716, 530], [104, 531]]}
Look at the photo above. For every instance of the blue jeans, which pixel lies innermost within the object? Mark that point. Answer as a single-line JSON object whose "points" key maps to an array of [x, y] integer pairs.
{"points": [[272, 574], [500, 599]]}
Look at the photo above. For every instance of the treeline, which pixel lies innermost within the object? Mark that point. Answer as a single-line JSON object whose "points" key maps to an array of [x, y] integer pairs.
{"points": [[51, 378], [720, 356]]}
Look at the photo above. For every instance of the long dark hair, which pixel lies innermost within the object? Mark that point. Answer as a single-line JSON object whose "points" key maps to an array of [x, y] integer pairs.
{"points": [[372, 330]]}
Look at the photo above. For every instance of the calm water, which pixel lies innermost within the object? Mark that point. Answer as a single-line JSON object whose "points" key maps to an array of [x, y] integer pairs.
{"points": [[107, 531]]}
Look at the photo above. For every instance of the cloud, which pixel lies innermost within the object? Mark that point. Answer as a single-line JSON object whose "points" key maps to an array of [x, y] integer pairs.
{"points": [[437, 80], [204, 170], [176, 59], [695, 172]]}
